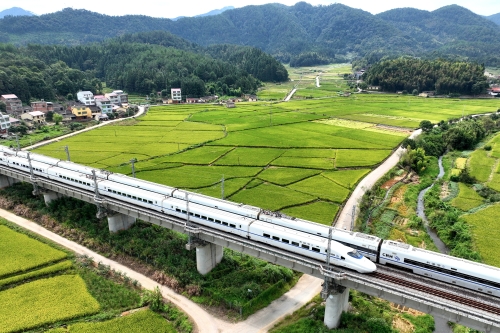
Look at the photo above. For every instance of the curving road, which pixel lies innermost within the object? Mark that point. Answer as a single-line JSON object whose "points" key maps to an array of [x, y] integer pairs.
{"points": [[345, 218]]}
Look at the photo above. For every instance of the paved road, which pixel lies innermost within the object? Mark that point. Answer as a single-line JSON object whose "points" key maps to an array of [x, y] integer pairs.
{"points": [[303, 292], [345, 218], [104, 123]]}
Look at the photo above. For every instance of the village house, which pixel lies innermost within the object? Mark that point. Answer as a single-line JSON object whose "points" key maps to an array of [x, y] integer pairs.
{"points": [[191, 100], [176, 95], [85, 97], [495, 92], [33, 118], [13, 104], [114, 98], [104, 104], [230, 104], [42, 106], [4, 123], [81, 112], [123, 97]]}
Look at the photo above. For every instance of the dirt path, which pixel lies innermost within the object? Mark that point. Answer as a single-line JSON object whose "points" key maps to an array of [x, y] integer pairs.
{"points": [[345, 218], [303, 292]]}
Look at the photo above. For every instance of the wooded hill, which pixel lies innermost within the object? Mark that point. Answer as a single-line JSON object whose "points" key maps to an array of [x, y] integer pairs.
{"points": [[38, 71], [334, 31], [442, 76]]}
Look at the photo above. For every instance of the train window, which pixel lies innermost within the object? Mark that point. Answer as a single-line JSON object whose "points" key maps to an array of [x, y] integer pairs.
{"points": [[184, 211], [191, 214], [276, 238], [266, 235], [304, 246], [204, 217], [342, 258], [225, 223], [315, 249], [355, 254], [149, 201], [197, 215], [210, 219], [177, 210], [129, 196], [285, 241], [217, 221], [134, 198], [454, 269], [110, 190], [232, 225], [295, 243]]}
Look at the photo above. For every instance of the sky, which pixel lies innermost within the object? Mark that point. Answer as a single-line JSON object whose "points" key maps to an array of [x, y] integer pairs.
{"points": [[171, 9]]}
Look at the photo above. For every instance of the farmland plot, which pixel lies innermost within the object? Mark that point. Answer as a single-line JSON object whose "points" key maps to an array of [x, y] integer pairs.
{"points": [[45, 301], [21, 253]]}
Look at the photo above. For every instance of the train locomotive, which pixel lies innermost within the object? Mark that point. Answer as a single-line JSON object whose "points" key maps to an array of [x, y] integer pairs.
{"points": [[354, 250]]}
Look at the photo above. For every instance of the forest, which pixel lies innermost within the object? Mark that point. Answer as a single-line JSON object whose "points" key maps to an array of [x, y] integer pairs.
{"points": [[335, 32], [41, 71], [417, 75]]}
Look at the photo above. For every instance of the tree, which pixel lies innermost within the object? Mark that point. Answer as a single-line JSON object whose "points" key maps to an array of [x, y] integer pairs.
{"points": [[426, 126], [57, 118], [3, 107], [49, 116], [415, 159]]}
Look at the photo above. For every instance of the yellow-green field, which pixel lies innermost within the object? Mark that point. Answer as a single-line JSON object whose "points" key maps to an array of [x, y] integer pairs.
{"points": [[195, 146], [486, 228]]}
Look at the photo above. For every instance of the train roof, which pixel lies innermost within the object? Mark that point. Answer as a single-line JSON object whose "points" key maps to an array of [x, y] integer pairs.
{"points": [[281, 229]]}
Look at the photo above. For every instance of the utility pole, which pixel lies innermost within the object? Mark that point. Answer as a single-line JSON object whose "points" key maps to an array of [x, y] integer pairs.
{"points": [[32, 176], [66, 148], [132, 161], [17, 141]]}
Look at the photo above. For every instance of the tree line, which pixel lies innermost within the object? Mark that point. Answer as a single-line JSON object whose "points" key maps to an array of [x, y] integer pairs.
{"points": [[442, 76], [42, 71]]}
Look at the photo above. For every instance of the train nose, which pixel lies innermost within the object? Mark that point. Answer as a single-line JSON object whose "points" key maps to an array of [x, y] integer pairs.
{"points": [[367, 266]]}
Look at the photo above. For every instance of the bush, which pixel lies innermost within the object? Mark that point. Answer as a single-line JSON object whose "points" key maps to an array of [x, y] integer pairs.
{"points": [[487, 147]]}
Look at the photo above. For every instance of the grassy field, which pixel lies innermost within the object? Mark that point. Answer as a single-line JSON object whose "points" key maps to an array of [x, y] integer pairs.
{"points": [[21, 253], [486, 228], [467, 198], [147, 320]]}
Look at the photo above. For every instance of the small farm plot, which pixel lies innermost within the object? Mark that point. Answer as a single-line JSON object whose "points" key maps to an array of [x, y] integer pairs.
{"points": [[346, 178], [322, 188], [272, 197], [201, 155], [286, 176], [481, 165], [485, 229], [227, 189], [250, 156], [320, 212], [305, 162], [467, 198], [145, 320], [21, 253], [360, 157], [196, 176], [45, 301]]}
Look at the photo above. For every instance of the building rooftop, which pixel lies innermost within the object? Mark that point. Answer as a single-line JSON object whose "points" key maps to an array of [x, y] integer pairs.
{"points": [[9, 96], [36, 113]]}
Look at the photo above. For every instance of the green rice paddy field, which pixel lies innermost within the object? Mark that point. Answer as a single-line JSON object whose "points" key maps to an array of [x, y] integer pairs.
{"points": [[303, 157]]}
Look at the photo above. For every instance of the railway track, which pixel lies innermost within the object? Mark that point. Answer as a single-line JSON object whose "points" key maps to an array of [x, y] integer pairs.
{"points": [[437, 292]]}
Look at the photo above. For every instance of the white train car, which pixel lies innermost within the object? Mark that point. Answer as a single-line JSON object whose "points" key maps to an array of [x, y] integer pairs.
{"points": [[366, 244], [142, 184], [310, 246], [460, 272], [39, 158], [72, 178]]}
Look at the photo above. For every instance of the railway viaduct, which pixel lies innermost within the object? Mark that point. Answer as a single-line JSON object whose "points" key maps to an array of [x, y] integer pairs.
{"points": [[466, 307]]}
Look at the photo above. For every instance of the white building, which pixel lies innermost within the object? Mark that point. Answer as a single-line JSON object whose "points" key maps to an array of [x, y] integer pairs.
{"points": [[113, 97], [4, 122], [105, 104], [85, 97], [123, 96], [176, 95]]}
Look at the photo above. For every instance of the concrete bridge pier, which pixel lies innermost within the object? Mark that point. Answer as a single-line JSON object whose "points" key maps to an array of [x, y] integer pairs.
{"points": [[337, 301], [207, 257], [117, 222], [6, 181], [49, 196]]}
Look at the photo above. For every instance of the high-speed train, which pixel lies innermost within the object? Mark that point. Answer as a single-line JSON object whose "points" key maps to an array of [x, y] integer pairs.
{"points": [[353, 250]]}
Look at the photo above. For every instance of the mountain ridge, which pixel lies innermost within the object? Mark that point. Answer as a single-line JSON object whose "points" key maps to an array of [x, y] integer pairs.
{"points": [[335, 31]]}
